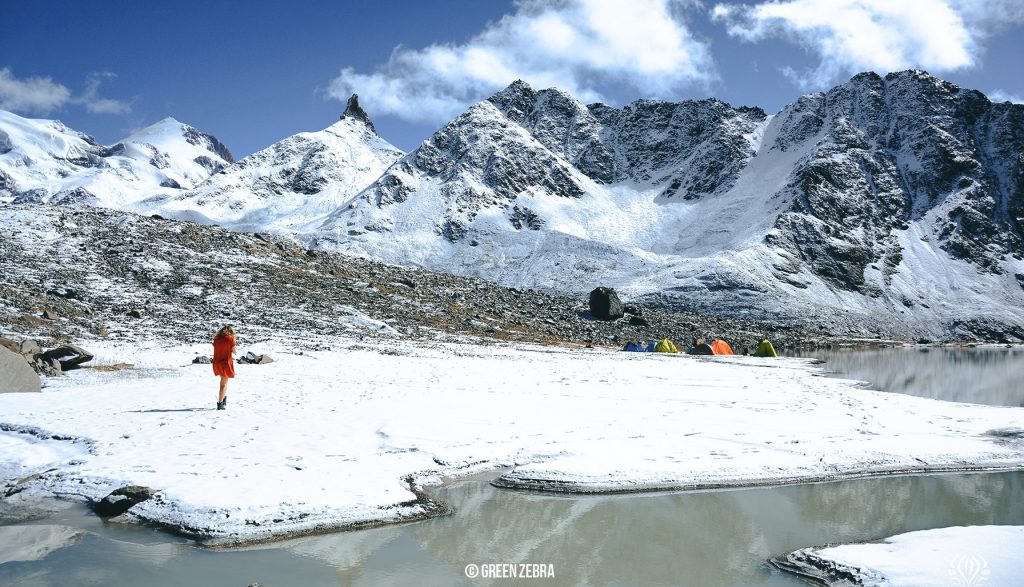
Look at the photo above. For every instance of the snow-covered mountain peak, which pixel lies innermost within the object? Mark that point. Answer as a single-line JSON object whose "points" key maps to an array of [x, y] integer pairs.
{"points": [[45, 161], [290, 183], [169, 131], [516, 100]]}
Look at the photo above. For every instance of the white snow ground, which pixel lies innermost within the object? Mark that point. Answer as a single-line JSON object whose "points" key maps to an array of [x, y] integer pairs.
{"points": [[325, 440], [967, 556]]}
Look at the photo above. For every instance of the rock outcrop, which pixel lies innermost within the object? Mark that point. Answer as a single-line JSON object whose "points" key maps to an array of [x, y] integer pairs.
{"points": [[354, 110], [16, 376], [121, 500]]}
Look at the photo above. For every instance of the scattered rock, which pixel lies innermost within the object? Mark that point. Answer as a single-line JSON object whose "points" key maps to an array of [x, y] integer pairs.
{"points": [[109, 368], [48, 367], [65, 292], [121, 500], [30, 348], [16, 376], [49, 314], [1010, 432], [251, 358], [605, 304], [69, 356], [136, 313], [638, 321], [202, 360]]}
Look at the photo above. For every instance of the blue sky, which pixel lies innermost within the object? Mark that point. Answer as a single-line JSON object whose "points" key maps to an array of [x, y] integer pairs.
{"points": [[252, 73]]}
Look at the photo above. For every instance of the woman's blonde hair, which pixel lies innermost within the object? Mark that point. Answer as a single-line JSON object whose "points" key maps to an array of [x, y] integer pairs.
{"points": [[226, 331]]}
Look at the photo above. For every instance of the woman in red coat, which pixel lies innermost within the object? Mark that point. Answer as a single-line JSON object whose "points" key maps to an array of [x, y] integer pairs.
{"points": [[223, 363]]}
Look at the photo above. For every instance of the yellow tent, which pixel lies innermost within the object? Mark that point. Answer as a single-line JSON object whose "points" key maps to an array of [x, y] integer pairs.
{"points": [[665, 346]]}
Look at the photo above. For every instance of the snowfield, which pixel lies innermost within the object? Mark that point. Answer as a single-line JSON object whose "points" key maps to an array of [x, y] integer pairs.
{"points": [[972, 555], [325, 440]]}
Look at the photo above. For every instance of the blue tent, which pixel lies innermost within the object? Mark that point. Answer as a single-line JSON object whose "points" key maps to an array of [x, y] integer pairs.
{"points": [[635, 347]]}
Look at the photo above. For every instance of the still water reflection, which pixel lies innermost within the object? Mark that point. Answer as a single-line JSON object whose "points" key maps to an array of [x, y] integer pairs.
{"points": [[711, 539], [993, 376]]}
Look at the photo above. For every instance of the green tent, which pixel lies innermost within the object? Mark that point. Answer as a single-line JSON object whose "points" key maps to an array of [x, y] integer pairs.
{"points": [[765, 349]]}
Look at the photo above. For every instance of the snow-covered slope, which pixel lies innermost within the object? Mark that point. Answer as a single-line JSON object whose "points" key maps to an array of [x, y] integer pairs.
{"points": [[292, 182], [884, 206], [45, 161]]}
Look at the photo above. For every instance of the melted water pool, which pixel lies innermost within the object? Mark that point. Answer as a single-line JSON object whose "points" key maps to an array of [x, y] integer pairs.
{"points": [[982, 375], [715, 538]]}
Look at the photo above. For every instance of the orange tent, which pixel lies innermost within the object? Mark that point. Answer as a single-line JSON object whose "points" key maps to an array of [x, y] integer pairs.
{"points": [[721, 347]]}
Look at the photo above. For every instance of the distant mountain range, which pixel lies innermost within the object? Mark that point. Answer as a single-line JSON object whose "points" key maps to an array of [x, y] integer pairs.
{"points": [[886, 206]]}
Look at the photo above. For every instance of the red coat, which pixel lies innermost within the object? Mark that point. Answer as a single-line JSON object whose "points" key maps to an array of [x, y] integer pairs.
{"points": [[223, 363]]}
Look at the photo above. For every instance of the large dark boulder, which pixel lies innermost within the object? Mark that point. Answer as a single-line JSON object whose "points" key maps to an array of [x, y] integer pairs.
{"points": [[16, 375], [69, 356], [605, 304], [121, 500]]}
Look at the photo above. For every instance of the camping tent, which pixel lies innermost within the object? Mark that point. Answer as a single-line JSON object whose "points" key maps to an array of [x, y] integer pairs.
{"points": [[700, 348], [721, 347], [665, 346], [765, 349], [635, 347]]}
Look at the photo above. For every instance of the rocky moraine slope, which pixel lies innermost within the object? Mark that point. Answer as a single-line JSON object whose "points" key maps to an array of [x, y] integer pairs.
{"points": [[72, 272]]}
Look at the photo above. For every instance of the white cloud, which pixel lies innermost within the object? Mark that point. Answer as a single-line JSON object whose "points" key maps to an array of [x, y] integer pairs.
{"points": [[850, 36], [31, 95], [96, 105], [42, 95], [1001, 96], [581, 46]]}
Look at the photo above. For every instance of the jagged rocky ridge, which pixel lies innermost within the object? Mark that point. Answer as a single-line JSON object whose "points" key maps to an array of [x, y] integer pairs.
{"points": [[45, 161], [887, 206], [96, 272], [907, 148]]}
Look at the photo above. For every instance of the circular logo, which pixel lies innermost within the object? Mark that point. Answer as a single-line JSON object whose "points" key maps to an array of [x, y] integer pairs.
{"points": [[472, 571]]}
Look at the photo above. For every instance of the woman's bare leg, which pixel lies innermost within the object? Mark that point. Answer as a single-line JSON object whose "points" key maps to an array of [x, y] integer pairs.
{"points": [[223, 388]]}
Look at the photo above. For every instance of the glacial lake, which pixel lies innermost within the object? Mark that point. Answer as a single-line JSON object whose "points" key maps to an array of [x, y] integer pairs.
{"points": [[711, 538]]}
